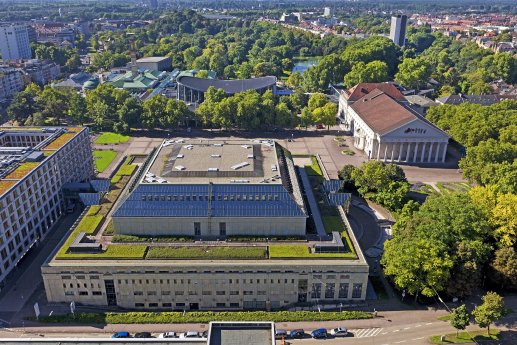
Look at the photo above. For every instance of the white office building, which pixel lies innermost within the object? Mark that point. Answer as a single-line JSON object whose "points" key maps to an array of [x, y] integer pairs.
{"points": [[14, 42], [11, 81], [34, 166]]}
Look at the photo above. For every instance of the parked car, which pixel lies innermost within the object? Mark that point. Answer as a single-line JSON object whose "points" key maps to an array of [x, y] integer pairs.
{"points": [[143, 335], [297, 334], [280, 333], [121, 335], [320, 333], [190, 334], [168, 335], [339, 332], [204, 334], [320, 126]]}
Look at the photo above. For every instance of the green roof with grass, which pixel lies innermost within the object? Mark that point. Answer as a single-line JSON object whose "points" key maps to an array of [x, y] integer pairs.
{"points": [[205, 252], [107, 138], [103, 159]]}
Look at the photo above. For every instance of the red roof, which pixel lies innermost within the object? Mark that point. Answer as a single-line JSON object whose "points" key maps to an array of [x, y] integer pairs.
{"points": [[363, 89], [381, 112]]}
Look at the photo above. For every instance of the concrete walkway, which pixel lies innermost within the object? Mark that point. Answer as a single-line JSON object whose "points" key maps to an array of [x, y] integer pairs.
{"points": [[316, 215]]}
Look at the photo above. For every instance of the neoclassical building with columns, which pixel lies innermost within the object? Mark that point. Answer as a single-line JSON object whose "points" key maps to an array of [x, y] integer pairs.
{"points": [[387, 129]]}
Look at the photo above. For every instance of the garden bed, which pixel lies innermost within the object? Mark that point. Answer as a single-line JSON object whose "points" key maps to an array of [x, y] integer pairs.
{"points": [[205, 252]]}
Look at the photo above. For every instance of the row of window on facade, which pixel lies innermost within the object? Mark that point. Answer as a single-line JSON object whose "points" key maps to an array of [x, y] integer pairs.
{"points": [[219, 197]]}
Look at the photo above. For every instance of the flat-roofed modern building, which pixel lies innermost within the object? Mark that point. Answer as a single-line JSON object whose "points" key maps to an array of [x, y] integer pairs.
{"points": [[14, 42], [155, 63], [34, 166], [232, 220], [210, 188], [192, 89]]}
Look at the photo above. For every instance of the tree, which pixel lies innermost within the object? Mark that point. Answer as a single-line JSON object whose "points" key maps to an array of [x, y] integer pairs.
{"points": [[77, 108], [504, 217], [414, 73], [490, 311], [295, 80], [372, 72], [24, 103], [326, 115], [504, 267], [460, 318], [417, 265], [283, 115], [154, 111], [317, 100]]}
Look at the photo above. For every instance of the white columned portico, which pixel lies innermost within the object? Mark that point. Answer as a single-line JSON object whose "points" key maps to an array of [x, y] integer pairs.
{"points": [[385, 151], [429, 159], [408, 151], [422, 159], [416, 152], [392, 151], [437, 152], [379, 151], [401, 146], [444, 152]]}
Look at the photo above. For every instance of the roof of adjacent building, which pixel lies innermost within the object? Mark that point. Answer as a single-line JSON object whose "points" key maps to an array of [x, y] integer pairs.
{"points": [[383, 114], [422, 101], [154, 59], [196, 178], [363, 89], [476, 99], [229, 86], [136, 80]]}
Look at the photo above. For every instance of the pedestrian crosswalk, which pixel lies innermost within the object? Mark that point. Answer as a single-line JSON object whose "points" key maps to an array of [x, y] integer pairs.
{"points": [[365, 332]]}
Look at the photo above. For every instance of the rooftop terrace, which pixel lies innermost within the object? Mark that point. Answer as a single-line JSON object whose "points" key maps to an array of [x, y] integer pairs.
{"points": [[202, 161]]}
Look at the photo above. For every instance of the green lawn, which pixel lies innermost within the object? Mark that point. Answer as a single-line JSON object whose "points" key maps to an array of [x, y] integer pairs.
{"points": [[313, 169], [103, 159], [220, 253], [202, 317], [333, 223], [298, 251], [111, 138], [112, 252], [465, 338], [445, 317], [452, 187]]}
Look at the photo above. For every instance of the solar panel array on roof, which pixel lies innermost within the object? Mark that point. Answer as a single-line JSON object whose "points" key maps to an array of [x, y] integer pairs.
{"points": [[235, 200], [89, 199], [338, 199], [332, 186], [100, 185]]}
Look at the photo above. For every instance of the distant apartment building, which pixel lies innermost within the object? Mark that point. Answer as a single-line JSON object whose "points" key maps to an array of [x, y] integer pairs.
{"points": [[14, 42], [11, 81], [34, 166], [42, 72], [398, 29], [328, 12]]}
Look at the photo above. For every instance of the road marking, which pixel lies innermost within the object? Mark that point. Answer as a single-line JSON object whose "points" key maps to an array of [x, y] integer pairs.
{"points": [[429, 323], [365, 332], [407, 328], [397, 330], [418, 338], [400, 342], [418, 326], [384, 333]]}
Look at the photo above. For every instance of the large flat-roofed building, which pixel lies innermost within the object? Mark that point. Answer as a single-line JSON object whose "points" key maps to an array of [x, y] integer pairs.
{"points": [[155, 63], [223, 224], [192, 89], [34, 166], [14, 42], [210, 188]]}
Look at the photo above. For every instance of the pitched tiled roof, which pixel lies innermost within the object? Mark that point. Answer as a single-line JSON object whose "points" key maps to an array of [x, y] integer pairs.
{"points": [[381, 112], [363, 89]]}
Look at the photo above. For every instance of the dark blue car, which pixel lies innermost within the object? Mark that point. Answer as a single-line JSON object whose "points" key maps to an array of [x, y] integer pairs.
{"points": [[120, 335], [320, 333], [297, 334]]}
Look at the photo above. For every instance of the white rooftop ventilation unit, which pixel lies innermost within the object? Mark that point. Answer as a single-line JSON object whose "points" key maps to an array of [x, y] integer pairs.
{"points": [[239, 181], [251, 156], [273, 167], [188, 147], [240, 165], [180, 155], [215, 156], [213, 169], [246, 146], [179, 167], [218, 145]]}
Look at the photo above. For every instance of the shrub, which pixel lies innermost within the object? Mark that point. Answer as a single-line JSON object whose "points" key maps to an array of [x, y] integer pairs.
{"points": [[203, 317]]}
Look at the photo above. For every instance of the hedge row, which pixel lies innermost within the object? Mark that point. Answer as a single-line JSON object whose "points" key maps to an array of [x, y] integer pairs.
{"points": [[207, 253], [203, 317], [166, 239], [295, 251]]}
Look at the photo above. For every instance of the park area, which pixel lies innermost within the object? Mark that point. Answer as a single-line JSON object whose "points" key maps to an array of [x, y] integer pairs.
{"points": [[109, 138]]}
